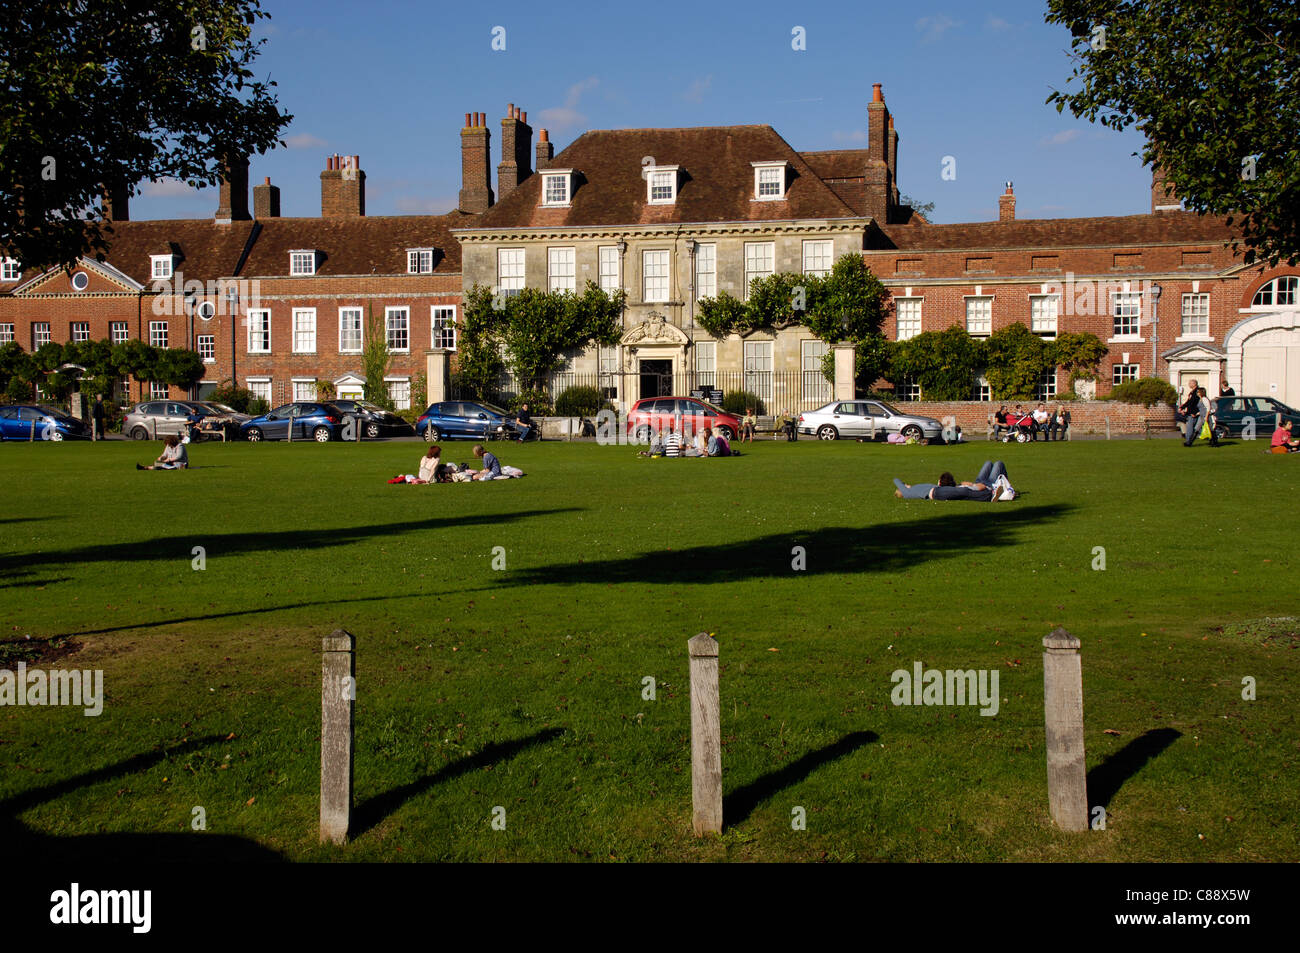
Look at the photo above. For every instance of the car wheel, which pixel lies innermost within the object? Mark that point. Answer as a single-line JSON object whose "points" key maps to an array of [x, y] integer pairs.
{"points": [[912, 430], [827, 432], [56, 435], [139, 433], [431, 434], [321, 434], [372, 430], [643, 435], [728, 433], [254, 434]]}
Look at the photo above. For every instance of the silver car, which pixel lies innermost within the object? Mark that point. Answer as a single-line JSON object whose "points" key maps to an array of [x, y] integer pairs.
{"points": [[865, 418], [155, 419]]}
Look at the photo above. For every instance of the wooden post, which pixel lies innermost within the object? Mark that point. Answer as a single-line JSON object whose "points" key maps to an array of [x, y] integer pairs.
{"points": [[337, 699], [1067, 788], [1107, 428], [289, 436], [706, 737]]}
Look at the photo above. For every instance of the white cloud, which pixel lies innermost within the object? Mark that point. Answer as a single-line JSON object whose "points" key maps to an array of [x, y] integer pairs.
{"points": [[560, 117], [855, 135], [1060, 138], [695, 92], [932, 28], [304, 140], [165, 188], [996, 23]]}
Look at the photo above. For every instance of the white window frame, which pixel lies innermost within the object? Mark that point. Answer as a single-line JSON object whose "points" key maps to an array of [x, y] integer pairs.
{"points": [[609, 268], [562, 268], [1039, 317], [557, 188], [813, 385], [982, 325], [659, 177], [160, 267], [1045, 389], [511, 269], [814, 251], [79, 331], [442, 318], [907, 391], [298, 267], [345, 313], [259, 325], [159, 334], [119, 332], [1122, 373], [419, 261], [40, 334], [911, 302], [206, 345], [1270, 295], [706, 363], [260, 387], [756, 253], [1126, 306], [1196, 306], [390, 329], [706, 270], [662, 261], [302, 390], [158, 391], [758, 359], [10, 270], [304, 330], [6, 333], [767, 174], [394, 385]]}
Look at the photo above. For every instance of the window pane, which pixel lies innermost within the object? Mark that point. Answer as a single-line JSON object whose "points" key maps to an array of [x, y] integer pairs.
{"points": [[760, 260], [304, 330], [510, 268], [706, 271], [979, 315], [655, 275], [817, 257], [560, 270], [609, 281], [908, 311], [399, 323], [1043, 312], [350, 330], [444, 327]]}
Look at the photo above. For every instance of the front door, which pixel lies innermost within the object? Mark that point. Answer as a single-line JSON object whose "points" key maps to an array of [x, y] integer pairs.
{"points": [[656, 378]]}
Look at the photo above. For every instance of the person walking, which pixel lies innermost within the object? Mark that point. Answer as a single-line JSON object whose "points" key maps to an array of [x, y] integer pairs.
{"points": [[1190, 412], [97, 416], [1206, 411]]}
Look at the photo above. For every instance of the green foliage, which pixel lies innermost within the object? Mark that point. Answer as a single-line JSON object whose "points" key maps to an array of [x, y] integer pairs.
{"points": [[736, 402], [119, 91], [924, 208], [581, 401], [1017, 358], [945, 363], [721, 315], [1147, 391], [538, 401], [240, 399], [419, 394], [325, 390], [16, 372], [478, 356], [375, 358], [105, 364], [1078, 354], [1211, 86]]}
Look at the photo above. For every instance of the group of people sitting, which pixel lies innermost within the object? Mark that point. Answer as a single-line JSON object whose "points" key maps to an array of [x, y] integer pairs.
{"points": [[989, 485], [707, 443], [1017, 424], [433, 470]]}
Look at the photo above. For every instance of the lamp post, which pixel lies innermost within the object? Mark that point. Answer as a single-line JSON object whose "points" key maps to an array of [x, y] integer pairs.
{"points": [[1155, 324]]}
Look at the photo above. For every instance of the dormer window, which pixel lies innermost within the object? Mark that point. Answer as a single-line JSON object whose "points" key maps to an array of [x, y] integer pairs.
{"points": [[162, 266], [302, 262], [769, 180], [419, 261], [557, 188], [661, 184], [9, 269]]}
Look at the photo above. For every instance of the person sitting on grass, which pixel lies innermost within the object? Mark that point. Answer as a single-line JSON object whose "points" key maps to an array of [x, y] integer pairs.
{"points": [[718, 446], [700, 448], [173, 457], [673, 444], [429, 464], [981, 488], [1282, 441], [491, 465]]}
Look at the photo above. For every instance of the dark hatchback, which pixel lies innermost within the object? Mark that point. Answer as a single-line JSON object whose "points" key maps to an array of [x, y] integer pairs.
{"points": [[40, 422], [1232, 414], [375, 421], [470, 419], [310, 421]]}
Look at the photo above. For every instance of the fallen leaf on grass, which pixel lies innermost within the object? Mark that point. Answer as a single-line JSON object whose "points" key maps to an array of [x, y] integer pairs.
{"points": [[249, 802]]}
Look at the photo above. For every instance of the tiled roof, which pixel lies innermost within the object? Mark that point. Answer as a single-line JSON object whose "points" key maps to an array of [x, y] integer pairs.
{"points": [[1162, 228], [356, 246], [717, 184]]}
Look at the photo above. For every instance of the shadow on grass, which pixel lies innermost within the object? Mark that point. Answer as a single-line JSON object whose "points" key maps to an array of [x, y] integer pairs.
{"points": [[229, 544], [1105, 780], [261, 610], [740, 803], [371, 811], [885, 547], [113, 848]]}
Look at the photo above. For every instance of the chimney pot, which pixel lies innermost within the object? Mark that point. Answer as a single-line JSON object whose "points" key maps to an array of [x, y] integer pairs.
{"points": [[545, 137], [1007, 205], [877, 94], [523, 117], [343, 195]]}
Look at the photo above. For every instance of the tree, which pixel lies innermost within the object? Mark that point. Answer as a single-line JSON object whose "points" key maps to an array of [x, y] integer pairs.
{"points": [[923, 208], [945, 363], [478, 357], [375, 358], [1078, 354], [1017, 358], [1211, 85], [101, 94]]}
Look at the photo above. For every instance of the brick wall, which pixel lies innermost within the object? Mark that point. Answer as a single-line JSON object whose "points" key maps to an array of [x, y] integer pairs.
{"points": [[1086, 416]]}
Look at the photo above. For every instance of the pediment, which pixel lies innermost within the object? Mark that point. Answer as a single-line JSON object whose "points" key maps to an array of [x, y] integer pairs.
{"points": [[101, 278], [655, 330]]}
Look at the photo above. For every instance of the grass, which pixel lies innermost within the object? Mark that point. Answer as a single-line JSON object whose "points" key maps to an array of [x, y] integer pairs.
{"points": [[523, 688]]}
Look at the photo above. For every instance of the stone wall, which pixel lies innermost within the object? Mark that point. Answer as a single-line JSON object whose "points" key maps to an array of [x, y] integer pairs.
{"points": [[1086, 416]]}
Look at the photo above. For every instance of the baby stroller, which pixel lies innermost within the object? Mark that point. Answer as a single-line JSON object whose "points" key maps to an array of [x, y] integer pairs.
{"points": [[1019, 428]]}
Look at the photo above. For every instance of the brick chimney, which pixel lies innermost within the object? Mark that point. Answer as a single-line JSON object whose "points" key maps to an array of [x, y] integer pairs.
{"points": [[1007, 205], [879, 185], [342, 188], [1164, 197], [266, 200], [233, 205], [116, 203], [545, 150], [516, 151], [893, 164], [475, 165]]}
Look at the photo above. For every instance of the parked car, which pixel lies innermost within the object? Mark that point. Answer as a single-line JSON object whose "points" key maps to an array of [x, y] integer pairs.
{"points": [[221, 420], [865, 418], [51, 423], [1233, 412], [375, 421], [465, 418], [311, 421], [652, 415], [155, 419]]}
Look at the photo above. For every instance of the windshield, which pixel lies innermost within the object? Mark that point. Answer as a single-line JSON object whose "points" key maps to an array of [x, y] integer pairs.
{"points": [[366, 405], [499, 411], [55, 412], [892, 410], [223, 408]]}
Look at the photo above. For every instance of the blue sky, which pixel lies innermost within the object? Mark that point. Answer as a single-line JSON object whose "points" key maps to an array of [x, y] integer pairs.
{"points": [[391, 81]]}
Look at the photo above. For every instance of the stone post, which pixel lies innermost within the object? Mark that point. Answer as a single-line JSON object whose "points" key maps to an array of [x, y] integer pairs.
{"points": [[706, 737], [337, 699], [438, 371], [1067, 789], [845, 387]]}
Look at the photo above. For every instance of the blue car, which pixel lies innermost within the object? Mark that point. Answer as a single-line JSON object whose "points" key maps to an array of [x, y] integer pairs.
{"points": [[311, 421], [472, 419], [25, 421]]}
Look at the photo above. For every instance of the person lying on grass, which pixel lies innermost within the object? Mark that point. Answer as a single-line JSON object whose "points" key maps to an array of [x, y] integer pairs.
{"points": [[980, 489], [173, 457]]}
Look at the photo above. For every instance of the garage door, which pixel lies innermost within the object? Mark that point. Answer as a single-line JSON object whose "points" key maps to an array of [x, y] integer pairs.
{"points": [[1272, 372]]}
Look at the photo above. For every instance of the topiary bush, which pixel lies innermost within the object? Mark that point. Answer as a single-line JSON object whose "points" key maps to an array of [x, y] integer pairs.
{"points": [[736, 402], [1147, 391], [580, 401]]}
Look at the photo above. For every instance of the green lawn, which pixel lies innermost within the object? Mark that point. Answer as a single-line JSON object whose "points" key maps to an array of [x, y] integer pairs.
{"points": [[522, 688]]}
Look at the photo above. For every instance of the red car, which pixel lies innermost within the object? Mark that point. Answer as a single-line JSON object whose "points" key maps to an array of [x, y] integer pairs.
{"points": [[651, 415]]}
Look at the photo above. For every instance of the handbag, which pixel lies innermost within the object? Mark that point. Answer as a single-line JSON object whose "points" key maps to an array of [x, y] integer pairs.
{"points": [[1205, 431]]}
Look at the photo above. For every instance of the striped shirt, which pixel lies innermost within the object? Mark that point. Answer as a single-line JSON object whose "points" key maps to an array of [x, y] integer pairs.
{"points": [[673, 444]]}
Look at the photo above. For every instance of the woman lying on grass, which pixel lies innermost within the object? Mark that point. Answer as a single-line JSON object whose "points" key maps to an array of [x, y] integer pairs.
{"points": [[992, 474]]}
